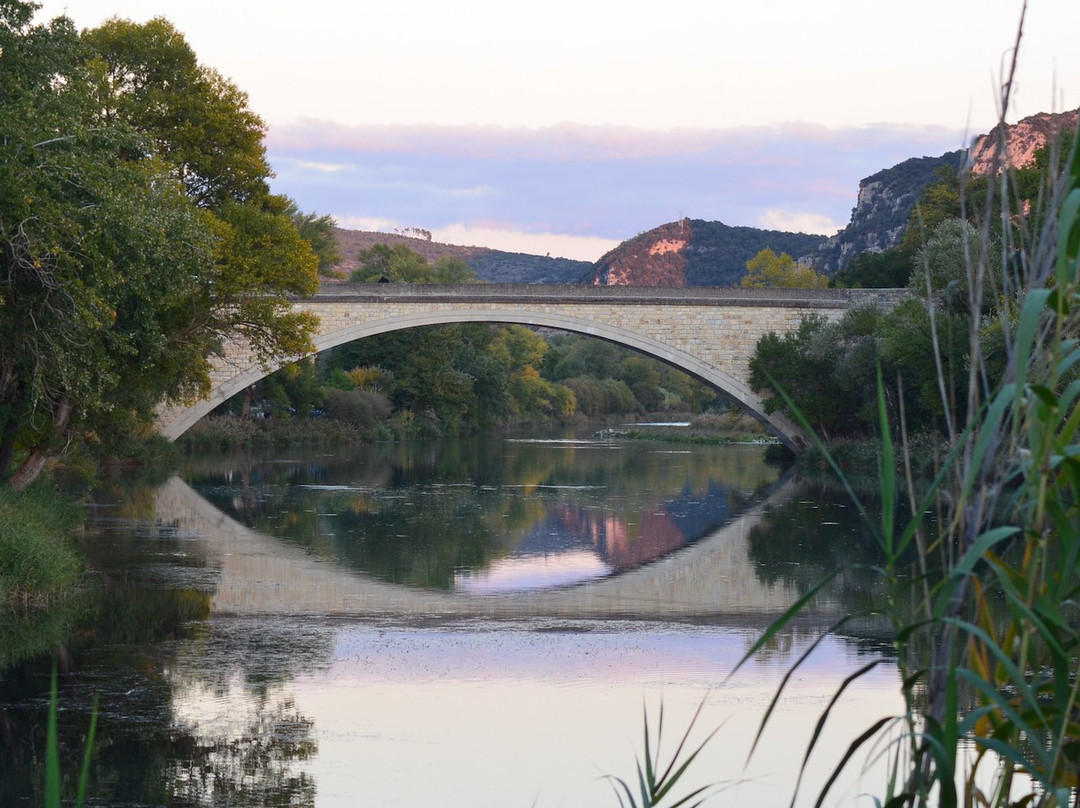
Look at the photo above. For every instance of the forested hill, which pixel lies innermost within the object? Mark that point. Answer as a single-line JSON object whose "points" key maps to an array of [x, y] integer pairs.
{"points": [[693, 252], [495, 266]]}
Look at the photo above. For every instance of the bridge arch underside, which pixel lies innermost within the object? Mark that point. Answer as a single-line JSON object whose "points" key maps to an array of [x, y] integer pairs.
{"points": [[736, 390]]}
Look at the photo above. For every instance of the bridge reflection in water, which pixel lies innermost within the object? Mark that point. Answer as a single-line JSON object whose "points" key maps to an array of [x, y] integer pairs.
{"points": [[259, 574]]}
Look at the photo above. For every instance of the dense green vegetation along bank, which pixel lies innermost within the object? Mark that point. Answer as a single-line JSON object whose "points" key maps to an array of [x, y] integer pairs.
{"points": [[37, 561]]}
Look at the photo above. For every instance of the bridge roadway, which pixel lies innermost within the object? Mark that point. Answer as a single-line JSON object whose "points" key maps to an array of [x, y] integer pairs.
{"points": [[708, 332], [259, 574]]}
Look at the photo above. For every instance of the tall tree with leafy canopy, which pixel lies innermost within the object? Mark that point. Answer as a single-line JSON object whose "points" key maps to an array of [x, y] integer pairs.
{"points": [[137, 233], [318, 231], [769, 269]]}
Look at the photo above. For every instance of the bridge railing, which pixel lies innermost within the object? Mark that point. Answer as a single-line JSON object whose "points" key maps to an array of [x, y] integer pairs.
{"points": [[628, 295]]}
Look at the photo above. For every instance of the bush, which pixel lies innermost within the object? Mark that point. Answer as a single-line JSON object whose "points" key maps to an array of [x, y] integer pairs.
{"points": [[363, 408]]}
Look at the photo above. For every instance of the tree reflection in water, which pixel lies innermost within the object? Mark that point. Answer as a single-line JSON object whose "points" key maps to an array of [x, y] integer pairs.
{"points": [[162, 674], [444, 516]]}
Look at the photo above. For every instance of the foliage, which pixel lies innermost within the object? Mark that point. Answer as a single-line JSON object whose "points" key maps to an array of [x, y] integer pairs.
{"points": [[654, 780], [940, 267], [496, 266], [53, 775], [137, 233], [890, 269], [823, 366], [399, 264], [804, 361], [769, 269], [985, 626], [364, 408], [717, 254], [714, 254], [318, 231]]}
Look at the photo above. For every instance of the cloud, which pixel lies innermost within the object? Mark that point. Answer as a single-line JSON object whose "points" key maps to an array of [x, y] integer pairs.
{"points": [[575, 183], [558, 245], [371, 224], [796, 222], [579, 142], [314, 165]]}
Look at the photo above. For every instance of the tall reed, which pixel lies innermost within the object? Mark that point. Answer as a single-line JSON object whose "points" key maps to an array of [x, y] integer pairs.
{"points": [[986, 627]]}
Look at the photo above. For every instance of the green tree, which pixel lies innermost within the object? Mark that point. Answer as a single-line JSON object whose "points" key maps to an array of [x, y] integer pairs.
{"points": [[130, 248], [890, 269], [769, 269], [399, 264], [802, 363], [944, 262], [319, 232], [148, 77]]}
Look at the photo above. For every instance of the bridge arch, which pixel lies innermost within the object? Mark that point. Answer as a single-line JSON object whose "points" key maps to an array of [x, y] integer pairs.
{"points": [[710, 333], [733, 388]]}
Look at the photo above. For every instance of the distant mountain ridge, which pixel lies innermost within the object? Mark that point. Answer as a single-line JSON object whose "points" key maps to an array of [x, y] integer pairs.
{"points": [[495, 266], [694, 252]]}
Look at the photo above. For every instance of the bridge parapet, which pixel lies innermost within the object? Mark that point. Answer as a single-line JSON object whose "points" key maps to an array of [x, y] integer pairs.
{"points": [[628, 295]]}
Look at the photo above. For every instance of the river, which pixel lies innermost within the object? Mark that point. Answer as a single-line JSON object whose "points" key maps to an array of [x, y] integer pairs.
{"points": [[481, 622]]}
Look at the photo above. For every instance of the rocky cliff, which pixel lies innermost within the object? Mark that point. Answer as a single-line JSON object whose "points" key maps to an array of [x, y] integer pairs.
{"points": [[886, 198], [1022, 140], [882, 209]]}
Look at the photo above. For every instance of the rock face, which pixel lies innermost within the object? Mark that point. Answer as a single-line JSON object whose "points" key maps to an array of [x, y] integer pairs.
{"points": [[1022, 140], [693, 252], [653, 258], [886, 199], [881, 213]]}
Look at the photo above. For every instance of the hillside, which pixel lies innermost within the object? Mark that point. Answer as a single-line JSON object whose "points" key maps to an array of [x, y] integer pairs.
{"points": [[881, 213], [693, 252], [887, 198], [495, 266]]}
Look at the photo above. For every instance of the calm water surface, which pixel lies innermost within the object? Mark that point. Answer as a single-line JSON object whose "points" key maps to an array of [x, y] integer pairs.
{"points": [[472, 623]]}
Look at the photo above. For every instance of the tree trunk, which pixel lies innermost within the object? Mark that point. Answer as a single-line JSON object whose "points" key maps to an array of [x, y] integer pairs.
{"points": [[245, 405], [7, 446], [29, 470], [39, 455]]}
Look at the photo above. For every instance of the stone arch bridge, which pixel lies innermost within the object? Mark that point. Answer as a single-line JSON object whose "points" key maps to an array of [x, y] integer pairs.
{"points": [[708, 332]]}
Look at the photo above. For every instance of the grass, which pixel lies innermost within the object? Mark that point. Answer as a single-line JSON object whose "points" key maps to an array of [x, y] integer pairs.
{"points": [[986, 629], [37, 562], [53, 773], [655, 780]]}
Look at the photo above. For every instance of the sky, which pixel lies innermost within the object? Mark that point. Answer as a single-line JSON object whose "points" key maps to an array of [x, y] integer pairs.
{"points": [[567, 126]]}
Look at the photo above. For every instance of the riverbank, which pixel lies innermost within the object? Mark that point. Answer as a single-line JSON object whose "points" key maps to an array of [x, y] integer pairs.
{"points": [[224, 433], [41, 572], [729, 427], [38, 563]]}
